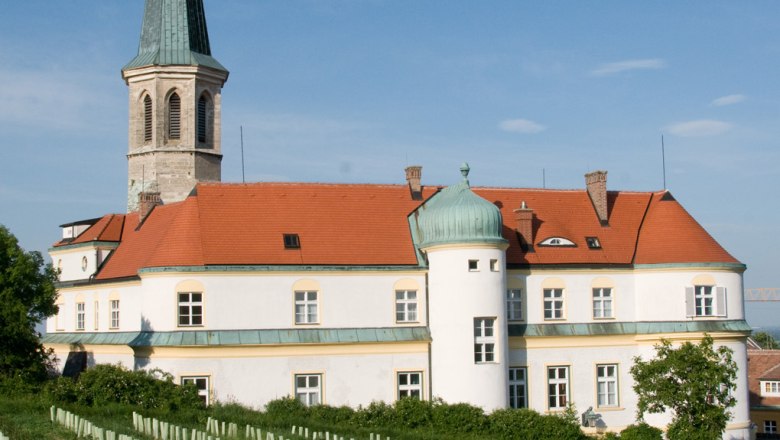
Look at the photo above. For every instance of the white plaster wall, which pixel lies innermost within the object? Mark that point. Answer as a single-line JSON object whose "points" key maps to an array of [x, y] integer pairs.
{"points": [[249, 301], [457, 296], [130, 304], [347, 379]]}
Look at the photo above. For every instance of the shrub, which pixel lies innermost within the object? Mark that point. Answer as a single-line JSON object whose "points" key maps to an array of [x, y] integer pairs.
{"points": [[104, 384], [642, 431], [458, 418], [376, 414], [17, 385], [286, 408], [331, 415], [413, 413], [610, 436], [526, 423]]}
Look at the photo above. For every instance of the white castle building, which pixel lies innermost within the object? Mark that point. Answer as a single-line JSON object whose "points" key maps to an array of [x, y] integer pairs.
{"points": [[347, 294]]}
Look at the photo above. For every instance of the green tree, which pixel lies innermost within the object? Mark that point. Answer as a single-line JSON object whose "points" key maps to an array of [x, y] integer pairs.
{"points": [[27, 296], [693, 381], [765, 340]]}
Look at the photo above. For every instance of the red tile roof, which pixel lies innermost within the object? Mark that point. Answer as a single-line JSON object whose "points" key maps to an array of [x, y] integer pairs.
{"points": [[762, 365], [367, 225], [107, 228]]}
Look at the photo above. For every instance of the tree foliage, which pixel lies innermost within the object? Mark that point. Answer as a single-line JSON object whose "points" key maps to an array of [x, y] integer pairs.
{"points": [[693, 381], [765, 340], [27, 296]]}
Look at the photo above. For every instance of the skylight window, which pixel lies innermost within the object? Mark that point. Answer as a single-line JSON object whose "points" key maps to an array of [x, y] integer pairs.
{"points": [[557, 241], [593, 242], [291, 241]]}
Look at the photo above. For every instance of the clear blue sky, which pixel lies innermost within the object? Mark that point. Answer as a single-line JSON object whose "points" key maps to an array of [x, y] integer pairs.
{"points": [[353, 91]]}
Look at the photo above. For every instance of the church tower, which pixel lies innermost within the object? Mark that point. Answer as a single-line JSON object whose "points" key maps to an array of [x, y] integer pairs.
{"points": [[175, 88]]}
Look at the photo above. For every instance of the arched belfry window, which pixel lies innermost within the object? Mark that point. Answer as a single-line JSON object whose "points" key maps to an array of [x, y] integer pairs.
{"points": [[147, 118], [202, 118], [174, 116]]}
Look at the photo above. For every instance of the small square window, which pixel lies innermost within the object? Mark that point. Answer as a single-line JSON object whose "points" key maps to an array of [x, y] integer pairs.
{"points": [[593, 242], [494, 266], [291, 241], [473, 265]]}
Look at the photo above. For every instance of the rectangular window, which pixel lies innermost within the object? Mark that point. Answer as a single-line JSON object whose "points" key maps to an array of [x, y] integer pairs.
{"points": [[97, 315], [770, 388], [517, 388], [606, 385], [308, 388], [406, 305], [201, 383], [59, 320], [473, 265], [494, 266], [306, 307], [557, 387], [514, 305], [114, 313], [80, 313], [410, 385], [190, 308], [484, 340], [705, 301], [553, 303], [602, 302], [770, 427], [291, 241]]}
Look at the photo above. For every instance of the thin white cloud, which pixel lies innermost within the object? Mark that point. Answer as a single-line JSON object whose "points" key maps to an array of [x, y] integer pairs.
{"points": [[700, 127], [626, 65], [521, 126], [728, 100]]}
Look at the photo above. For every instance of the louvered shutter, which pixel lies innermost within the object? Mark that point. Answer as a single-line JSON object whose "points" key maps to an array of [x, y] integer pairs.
{"points": [[720, 301], [202, 119], [690, 302], [147, 119], [174, 116]]}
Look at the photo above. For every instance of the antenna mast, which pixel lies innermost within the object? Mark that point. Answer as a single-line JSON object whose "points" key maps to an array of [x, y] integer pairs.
{"points": [[663, 159], [243, 177]]}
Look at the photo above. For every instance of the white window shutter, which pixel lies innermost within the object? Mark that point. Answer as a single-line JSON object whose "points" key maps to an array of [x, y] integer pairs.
{"points": [[690, 302], [720, 301]]}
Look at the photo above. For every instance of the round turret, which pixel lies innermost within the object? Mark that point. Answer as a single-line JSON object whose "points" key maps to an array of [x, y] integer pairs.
{"points": [[457, 215]]}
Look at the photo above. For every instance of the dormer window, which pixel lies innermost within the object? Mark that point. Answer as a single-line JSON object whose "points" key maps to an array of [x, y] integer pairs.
{"points": [[291, 241], [593, 242], [557, 241]]}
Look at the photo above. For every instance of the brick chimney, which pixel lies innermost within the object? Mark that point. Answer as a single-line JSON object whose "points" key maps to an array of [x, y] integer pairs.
{"points": [[146, 203], [524, 216], [596, 183], [414, 176]]}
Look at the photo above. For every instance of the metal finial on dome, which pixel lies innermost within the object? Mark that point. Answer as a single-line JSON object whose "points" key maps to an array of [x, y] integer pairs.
{"points": [[464, 170]]}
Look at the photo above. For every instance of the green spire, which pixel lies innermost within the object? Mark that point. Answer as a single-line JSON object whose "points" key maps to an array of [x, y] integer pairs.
{"points": [[174, 34]]}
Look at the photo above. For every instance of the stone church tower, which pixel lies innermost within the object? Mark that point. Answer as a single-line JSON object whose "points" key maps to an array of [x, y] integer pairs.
{"points": [[175, 90]]}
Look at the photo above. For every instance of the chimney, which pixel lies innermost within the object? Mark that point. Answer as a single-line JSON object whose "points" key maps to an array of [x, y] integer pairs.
{"points": [[414, 176], [596, 182], [524, 216], [146, 202]]}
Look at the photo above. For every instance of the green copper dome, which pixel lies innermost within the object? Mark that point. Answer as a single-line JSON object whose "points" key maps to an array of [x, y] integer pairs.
{"points": [[457, 215]]}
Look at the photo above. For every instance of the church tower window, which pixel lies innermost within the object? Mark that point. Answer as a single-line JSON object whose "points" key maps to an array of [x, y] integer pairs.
{"points": [[174, 116], [202, 118], [147, 118]]}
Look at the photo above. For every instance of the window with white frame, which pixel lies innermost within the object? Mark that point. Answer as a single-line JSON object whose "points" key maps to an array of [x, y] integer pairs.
{"points": [[514, 305], [201, 384], [494, 266], [406, 306], [80, 314], [410, 384], [557, 387], [553, 303], [517, 388], [770, 388], [308, 388], [190, 309], [484, 340], [114, 313], [306, 307], [770, 427], [96, 315], [705, 301], [606, 385], [602, 302], [59, 320]]}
